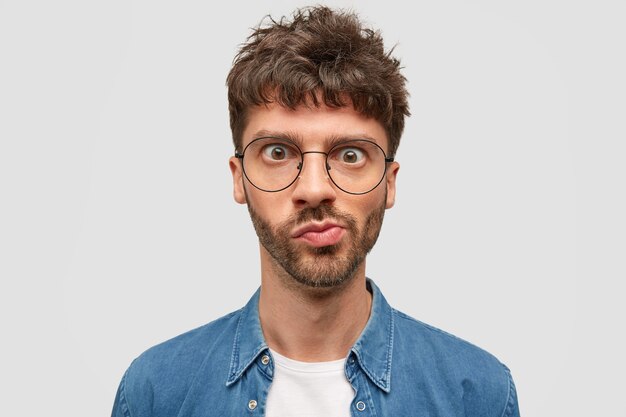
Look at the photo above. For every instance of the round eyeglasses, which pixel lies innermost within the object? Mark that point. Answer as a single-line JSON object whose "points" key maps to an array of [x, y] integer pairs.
{"points": [[355, 166]]}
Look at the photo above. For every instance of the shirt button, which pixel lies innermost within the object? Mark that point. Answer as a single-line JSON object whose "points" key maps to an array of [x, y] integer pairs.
{"points": [[252, 404], [265, 359], [360, 406]]}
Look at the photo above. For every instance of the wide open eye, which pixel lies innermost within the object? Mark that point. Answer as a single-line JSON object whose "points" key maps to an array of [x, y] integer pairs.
{"points": [[276, 151], [350, 155]]}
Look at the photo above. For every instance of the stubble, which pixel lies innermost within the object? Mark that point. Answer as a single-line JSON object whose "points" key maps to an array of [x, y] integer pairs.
{"points": [[327, 266]]}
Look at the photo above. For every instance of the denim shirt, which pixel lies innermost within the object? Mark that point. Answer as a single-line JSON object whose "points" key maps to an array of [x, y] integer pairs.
{"points": [[398, 367]]}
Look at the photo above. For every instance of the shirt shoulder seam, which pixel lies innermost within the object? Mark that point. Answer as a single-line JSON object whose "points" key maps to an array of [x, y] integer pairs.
{"points": [[510, 399], [124, 404]]}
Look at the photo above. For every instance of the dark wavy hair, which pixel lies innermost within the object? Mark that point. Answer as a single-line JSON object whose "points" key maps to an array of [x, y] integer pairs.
{"points": [[319, 56]]}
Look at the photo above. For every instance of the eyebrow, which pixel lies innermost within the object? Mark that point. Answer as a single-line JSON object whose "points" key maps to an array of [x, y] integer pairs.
{"points": [[298, 140], [290, 136]]}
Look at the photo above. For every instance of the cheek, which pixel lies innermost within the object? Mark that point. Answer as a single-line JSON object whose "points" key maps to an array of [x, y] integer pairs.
{"points": [[272, 207], [373, 200], [363, 206]]}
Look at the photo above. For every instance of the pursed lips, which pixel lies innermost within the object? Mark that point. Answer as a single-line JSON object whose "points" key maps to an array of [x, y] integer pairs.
{"points": [[319, 234]]}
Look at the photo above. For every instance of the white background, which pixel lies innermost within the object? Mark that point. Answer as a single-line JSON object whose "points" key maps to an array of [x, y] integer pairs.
{"points": [[118, 229]]}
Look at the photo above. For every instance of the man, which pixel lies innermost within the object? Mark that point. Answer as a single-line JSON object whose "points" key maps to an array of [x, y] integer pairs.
{"points": [[317, 109]]}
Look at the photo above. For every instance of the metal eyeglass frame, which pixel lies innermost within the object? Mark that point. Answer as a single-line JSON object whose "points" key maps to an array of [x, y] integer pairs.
{"points": [[241, 155]]}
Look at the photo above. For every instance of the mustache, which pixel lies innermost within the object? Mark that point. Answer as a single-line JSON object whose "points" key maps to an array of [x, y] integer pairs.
{"points": [[319, 214]]}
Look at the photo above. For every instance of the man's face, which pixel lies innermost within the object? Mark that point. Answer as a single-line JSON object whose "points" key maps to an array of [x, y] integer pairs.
{"points": [[318, 234]]}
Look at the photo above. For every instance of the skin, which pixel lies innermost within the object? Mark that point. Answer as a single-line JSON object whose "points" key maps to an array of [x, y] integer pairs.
{"points": [[304, 322]]}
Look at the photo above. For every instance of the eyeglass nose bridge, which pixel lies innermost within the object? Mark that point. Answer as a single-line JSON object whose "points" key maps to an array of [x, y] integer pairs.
{"points": [[301, 163]]}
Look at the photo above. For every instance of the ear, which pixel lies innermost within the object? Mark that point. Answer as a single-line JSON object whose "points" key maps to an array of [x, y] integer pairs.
{"points": [[237, 171], [392, 173]]}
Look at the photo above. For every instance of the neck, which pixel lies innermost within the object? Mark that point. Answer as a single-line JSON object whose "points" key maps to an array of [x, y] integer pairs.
{"points": [[311, 324]]}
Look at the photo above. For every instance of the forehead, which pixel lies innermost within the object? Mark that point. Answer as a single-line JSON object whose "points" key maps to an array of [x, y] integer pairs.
{"points": [[312, 127]]}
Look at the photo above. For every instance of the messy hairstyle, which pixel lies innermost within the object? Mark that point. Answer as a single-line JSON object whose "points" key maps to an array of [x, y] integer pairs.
{"points": [[320, 56]]}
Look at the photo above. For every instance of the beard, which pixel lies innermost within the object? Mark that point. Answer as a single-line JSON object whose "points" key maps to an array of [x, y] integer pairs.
{"points": [[321, 267]]}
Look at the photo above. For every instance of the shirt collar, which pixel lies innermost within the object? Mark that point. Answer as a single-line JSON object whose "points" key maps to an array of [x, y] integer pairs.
{"points": [[249, 341], [372, 349]]}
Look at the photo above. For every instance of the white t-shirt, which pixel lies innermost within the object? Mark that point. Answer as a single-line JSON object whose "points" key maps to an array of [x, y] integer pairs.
{"points": [[308, 389]]}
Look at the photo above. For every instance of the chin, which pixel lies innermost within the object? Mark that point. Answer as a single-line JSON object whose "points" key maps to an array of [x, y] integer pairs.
{"points": [[325, 283], [326, 250]]}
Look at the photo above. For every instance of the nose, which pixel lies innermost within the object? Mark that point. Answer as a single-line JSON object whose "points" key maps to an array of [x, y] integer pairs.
{"points": [[313, 186]]}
